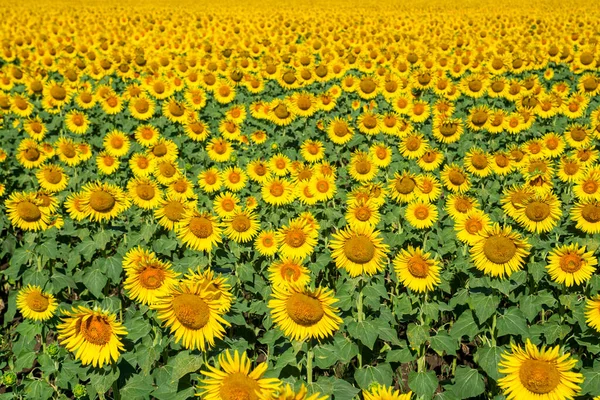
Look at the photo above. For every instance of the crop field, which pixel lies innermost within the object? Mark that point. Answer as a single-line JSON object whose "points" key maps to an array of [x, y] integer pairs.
{"points": [[302, 200]]}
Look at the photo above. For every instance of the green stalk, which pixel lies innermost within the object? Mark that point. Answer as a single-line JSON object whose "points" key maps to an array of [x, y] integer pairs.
{"points": [[309, 360]]}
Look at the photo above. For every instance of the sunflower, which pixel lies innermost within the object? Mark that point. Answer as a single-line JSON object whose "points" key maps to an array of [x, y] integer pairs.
{"points": [[413, 146], [421, 214], [430, 188], [586, 214], [499, 251], [147, 135], [539, 213], [234, 178], [175, 111], [588, 186], [287, 392], [141, 108], [149, 280], [35, 304], [280, 114], [235, 380], [141, 165], [241, 226], [592, 313], [226, 204], [144, 193], [362, 168], [197, 130], [297, 239], [77, 122], [381, 155], [210, 180], [74, 207], [323, 187], [278, 191], [339, 131], [215, 283], [163, 150], [302, 313], [417, 270], [541, 374], [380, 392], [136, 256], [312, 150], [219, 150], [266, 243], [404, 187], [116, 143], [103, 201], [258, 171], [52, 178], [166, 171], [571, 265], [25, 211], [92, 334], [362, 213], [107, 164], [112, 104], [191, 312], [280, 164], [288, 271], [431, 159], [35, 128], [30, 154], [199, 230], [223, 92], [469, 225], [478, 162], [455, 179], [570, 170], [359, 250], [369, 123]]}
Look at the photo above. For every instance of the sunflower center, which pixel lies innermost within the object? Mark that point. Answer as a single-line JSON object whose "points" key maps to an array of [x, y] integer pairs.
{"points": [[418, 267], [152, 278], [367, 85], [479, 118], [239, 386], [363, 167], [108, 161], [303, 103], [340, 129], [167, 170], [241, 223], [37, 302], [276, 189], [570, 262], [571, 168], [359, 249], [322, 186], [260, 170], [78, 120], [173, 210], [413, 143], [537, 211], [116, 142], [479, 161], [370, 122], [578, 135], [499, 249], [176, 110], [234, 177], [421, 212], [145, 191], [36, 127], [112, 101], [448, 129], [228, 205], [456, 177], [102, 201], [591, 213], [539, 376], [405, 185], [58, 93], [96, 330], [590, 187], [501, 160], [290, 272], [160, 150], [381, 153], [362, 213], [148, 134], [159, 87], [304, 310], [463, 205], [142, 106], [191, 311], [210, 178], [53, 176], [201, 227], [473, 226], [295, 238], [32, 154], [281, 111]]}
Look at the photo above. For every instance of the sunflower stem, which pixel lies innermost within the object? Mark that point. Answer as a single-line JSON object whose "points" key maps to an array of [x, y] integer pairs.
{"points": [[309, 360]]}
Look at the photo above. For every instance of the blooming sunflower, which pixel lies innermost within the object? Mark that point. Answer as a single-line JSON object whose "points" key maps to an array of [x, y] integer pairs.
{"points": [[288, 271], [266, 243], [215, 283], [539, 213], [103, 201], [116, 143], [404, 187], [277, 191], [413, 146], [380, 392], [210, 180], [241, 226], [592, 312], [149, 279], [144, 193], [234, 178], [297, 239], [92, 334], [171, 211], [226, 204], [469, 225], [77, 122], [416, 269], [339, 131], [362, 168], [587, 216], [147, 135], [199, 230], [421, 214], [455, 179], [219, 150], [52, 178], [499, 251], [107, 164], [540, 374], [571, 264], [25, 211], [141, 165], [191, 312], [233, 379], [361, 213], [302, 313], [359, 250], [35, 304]]}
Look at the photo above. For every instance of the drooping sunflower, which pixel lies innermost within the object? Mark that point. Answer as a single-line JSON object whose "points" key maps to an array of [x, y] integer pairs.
{"points": [[499, 251], [288, 271], [571, 264], [469, 225], [380, 392], [103, 201], [92, 334], [52, 178], [191, 312], [163, 150], [35, 304], [266, 243], [233, 379], [586, 215], [26, 212], [149, 279], [297, 239], [241, 226], [540, 374], [359, 250], [421, 214], [199, 230], [592, 313], [302, 313]]}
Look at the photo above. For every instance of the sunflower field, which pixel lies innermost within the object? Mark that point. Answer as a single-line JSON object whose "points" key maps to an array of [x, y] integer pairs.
{"points": [[302, 200]]}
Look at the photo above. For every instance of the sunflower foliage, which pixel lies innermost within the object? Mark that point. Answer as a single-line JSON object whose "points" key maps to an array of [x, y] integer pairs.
{"points": [[300, 201]]}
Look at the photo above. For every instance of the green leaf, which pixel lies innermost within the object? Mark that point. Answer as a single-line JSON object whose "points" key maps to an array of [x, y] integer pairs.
{"points": [[484, 305], [95, 280], [364, 332], [343, 390], [467, 383], [512, 322], [137, 387], [488, 358], [423, 383], [184, 363], [87, 248], [342, 350], [400, 356], [591, 384], [444, 343], [102, 380], [554, 331], [465, 325], [381, 373], [417, 335], [38, 389]]}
